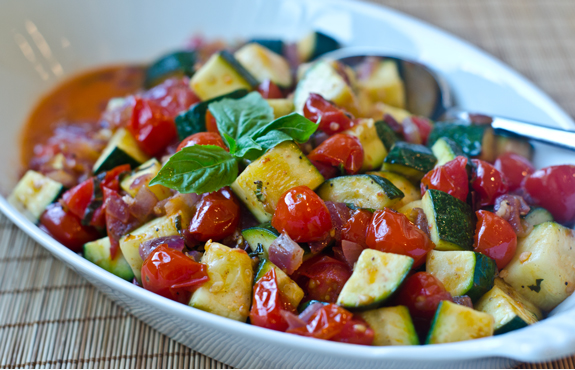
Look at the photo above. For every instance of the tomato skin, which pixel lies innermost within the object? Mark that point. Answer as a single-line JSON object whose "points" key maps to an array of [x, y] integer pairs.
{"points": [[269, 90], [325, 323], [79, 197], [268, 302], [392, 232], [327, 276], [67, 228], [172, 274], [554, 189], [355, 229], [302, 215], [514, 168], [450, 178], [112, 178], [340, 150], [152, 126], [211, 124], [203, 138], [488, 183], [217, 216], [355, 331], [495, 238], [331, 119], [421, 294]]}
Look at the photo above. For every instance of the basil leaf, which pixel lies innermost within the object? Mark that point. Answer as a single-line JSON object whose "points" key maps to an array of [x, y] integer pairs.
{"points": [[273, 138], [231, 142], [245, 145], [295, 125], [198, 169]]}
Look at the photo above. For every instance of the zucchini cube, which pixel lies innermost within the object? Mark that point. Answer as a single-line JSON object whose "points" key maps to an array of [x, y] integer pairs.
{"points": [[410, 160], [264, 64], [373, 149], [456, 323], [286, 285], [384, 84], [121, 149], [392, 326], [98, 252], [33, 193], [151, 169]]}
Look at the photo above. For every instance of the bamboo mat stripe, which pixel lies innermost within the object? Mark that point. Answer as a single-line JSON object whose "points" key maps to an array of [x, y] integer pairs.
{"points": [[52, 318]]}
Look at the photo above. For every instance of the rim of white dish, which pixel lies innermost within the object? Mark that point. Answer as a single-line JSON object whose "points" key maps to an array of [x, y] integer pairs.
{"points": [[516, 345]]}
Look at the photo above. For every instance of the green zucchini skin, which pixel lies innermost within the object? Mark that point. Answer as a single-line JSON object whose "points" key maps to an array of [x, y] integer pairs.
{"points": [[411, 160], [468, 137], [483, 276], [232, 61], [451, 221], [179, 63], [387, 136], [455, 323], [194, 119], [263, 235], [320, 44], [301, 308], [277, 46], [446, 150], [538, 215], [116, 158], [98, 252]]}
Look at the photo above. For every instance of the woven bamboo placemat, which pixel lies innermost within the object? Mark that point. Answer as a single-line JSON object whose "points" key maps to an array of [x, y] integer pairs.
{"points": [[52, 318]]}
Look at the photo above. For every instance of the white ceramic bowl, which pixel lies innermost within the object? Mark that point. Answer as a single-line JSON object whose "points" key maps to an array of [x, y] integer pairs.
{"points": [[42, 42]]}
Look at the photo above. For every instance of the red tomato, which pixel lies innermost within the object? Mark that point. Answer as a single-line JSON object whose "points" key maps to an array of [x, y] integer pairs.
{"points": [[331, 119], [66, 227], [268, 303], [340, 150], [495, 238], [325, 323], [203, 138], [174, 95], [355, 229], [424, 126], [217, 216], [211, 124], [327, 276], [112, 179], [269, 90], [172, 274], [554, 189], [450, 178], [488, 183], [421, 294], [152, 126], [79, 197], [302, 215], [355, 331], [514, 169], [392, 232]]}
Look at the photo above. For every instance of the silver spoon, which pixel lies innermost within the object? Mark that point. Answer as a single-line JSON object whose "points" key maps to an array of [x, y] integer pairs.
{"points": [[428, 94]]}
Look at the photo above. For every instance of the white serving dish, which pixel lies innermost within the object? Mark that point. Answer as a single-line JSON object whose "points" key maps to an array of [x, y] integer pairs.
{"points": [[43, 42]]}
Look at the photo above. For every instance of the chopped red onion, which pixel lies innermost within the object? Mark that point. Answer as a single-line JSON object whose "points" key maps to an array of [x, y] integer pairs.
{"points": [[286, 254], [141, 180], [418, 217], [393, 124], [178, 201], [351, 251], [366, 68], [411, 131], [144, 203], [319, 137], [318, 246], [310, 310], [511, 207], [463, 300], [117, 208], [195, 255], [292, 320], [175, 242], [339, 213]]}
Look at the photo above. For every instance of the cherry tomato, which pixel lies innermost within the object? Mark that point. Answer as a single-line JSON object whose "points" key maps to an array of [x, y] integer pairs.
{"points": [[66, 227], [488, 183], [269, 90], [355, 229], [554, 189], [421, 294], [112, 178], [327, 276], [203, 138], [495, 238], [152, 126], [331, 119], [340, 150], [514, 169], [217, 216], [355, 331], [172, 274], [424, 126], [268, 303], [174, 94], [392, 232], [79, 197], [302, 215], [211, 124], [325, 323], [450, 178]]}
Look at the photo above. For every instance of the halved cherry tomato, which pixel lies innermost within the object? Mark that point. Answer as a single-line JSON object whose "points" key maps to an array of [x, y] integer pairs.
{"points": [[356, 331], [495, 238], [211, 123], [514, 168], [554, 189], [66, 227], [488, 183], [174, 94], [217, 216], [79, 197], [327, 276], [302, 215], [325, 323], [268, 303], [421, 294], [340, 150], [269, 90], [392, 232], [112, 178], [172, 274], [152, 126], [450, 178], [203, 138], [331, 119], [424, 126], [355, 229]]}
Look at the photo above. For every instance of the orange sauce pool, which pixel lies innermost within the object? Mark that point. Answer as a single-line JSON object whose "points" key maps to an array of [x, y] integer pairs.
{"points": [[80, 99]]}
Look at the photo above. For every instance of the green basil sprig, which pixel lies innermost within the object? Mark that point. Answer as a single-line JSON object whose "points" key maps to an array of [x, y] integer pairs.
{"points": [[248, 129]]}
